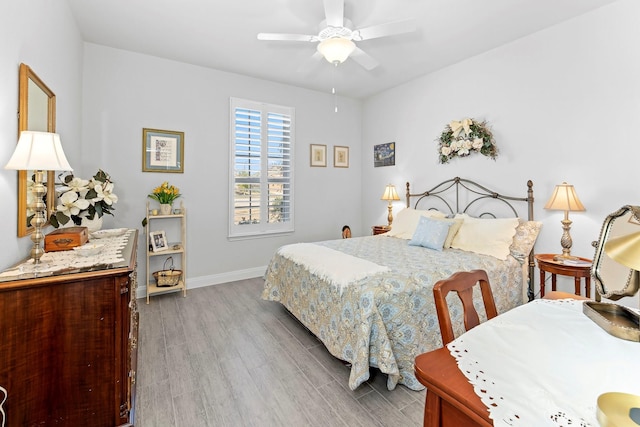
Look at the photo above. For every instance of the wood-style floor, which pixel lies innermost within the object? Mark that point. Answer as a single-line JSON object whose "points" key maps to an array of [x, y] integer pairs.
{"points": [[224, 357]]}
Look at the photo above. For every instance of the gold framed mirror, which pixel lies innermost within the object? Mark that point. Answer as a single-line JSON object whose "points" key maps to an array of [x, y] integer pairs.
{"points": [[36, 111], [614, 280]]}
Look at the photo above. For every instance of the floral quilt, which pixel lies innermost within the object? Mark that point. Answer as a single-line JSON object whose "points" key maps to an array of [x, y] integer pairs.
{"points": [[386, 319]]}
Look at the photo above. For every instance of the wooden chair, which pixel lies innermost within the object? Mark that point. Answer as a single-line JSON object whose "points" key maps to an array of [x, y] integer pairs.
{"points": [[462, 283]]}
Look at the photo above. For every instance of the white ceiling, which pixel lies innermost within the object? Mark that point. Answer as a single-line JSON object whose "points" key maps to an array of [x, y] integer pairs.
{"points": [[221, 34]]}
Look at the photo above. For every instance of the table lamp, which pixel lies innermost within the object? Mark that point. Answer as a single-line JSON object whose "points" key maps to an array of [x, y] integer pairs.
{"points": [[38, 152], [626, 251], [564, 198], [390, 195]]}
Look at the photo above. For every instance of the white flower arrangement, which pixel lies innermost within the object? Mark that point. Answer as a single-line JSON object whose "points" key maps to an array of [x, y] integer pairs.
{"points": [[80, 198], [461, 138]]}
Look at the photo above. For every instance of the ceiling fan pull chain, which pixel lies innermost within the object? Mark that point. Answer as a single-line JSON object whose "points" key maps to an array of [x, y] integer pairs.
{"points": [[333, 89]]}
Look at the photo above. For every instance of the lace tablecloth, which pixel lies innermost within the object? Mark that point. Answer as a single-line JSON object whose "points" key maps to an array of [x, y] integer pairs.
{"points": [[544, 364], [54, 262]]}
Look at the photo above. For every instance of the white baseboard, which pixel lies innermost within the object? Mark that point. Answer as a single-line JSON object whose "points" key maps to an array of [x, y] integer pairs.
{"points": [[215, 279]]}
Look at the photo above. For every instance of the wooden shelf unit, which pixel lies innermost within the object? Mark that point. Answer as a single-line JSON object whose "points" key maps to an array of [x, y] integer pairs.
{"points": [[179, 255]]}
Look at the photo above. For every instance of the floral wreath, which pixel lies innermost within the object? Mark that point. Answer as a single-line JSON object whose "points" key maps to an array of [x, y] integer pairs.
{"points": [[461, 138]]}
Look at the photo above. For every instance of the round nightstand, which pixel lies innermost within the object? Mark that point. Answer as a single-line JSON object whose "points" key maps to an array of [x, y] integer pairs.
{"points": [[546, 263], [380, 229]]}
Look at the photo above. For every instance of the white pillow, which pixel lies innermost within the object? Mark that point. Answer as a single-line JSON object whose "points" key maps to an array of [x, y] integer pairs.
{"points": [[406, 222], [453, 230], [486, 236]]}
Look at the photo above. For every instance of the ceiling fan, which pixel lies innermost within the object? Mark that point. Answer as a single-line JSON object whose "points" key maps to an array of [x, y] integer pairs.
{"points": [[336, 39]]}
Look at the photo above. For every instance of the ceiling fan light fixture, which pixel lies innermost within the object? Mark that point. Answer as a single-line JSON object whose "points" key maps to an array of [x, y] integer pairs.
{"points": [[336, 49]]}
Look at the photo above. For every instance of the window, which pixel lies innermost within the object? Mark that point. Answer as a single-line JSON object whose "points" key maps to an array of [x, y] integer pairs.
{"points": [[261, 168]]}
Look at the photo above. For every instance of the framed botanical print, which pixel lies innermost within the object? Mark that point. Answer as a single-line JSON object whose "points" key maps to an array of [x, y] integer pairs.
{"points": [[318, 155], [340, 157], [162, 151]]}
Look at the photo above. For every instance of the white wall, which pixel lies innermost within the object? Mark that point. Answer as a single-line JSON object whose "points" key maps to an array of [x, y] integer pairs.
{"points": [[125, 92], [563, 103], [43, 35]]}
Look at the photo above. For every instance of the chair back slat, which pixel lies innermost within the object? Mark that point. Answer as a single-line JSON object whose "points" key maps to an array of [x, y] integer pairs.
{"points": [[462, 284]]}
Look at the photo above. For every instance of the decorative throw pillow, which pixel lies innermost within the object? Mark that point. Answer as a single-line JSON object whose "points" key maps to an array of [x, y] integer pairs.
{"points": [[456, 223], [430, 233], [406, 221], [453, 230], [524, 239], [486, 236]]}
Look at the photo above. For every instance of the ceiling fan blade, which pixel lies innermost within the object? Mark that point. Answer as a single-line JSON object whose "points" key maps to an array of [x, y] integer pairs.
{"points": [[308, 65], [334, 12], [382, 30], [287, 37], [364, 59]]}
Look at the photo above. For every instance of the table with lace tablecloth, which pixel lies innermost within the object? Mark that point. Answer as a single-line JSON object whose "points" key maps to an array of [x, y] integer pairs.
{"points": [[69, 335], [545, 363], [111, 254]]}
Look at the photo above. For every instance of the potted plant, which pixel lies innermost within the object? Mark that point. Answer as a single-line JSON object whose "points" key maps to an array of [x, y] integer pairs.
{"points": [[165, 194], [84, 202]]}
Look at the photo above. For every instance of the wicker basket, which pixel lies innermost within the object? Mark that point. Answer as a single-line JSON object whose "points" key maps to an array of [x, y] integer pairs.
{"points": [[167, 278]]}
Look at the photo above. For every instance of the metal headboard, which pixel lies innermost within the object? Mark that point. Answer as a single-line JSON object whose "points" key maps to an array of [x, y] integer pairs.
{"points": [[476, 193]]}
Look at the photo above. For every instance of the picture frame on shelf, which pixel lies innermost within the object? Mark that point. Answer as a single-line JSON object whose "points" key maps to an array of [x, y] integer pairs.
{"points": [[340, 156], [162, 151], [318, 155], [158, 241]]}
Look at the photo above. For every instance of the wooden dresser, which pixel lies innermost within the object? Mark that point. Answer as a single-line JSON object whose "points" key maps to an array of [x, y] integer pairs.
{"points": [[68, 345]]}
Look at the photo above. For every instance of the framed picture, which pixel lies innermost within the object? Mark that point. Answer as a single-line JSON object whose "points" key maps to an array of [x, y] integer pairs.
{"points": [[318, 155], [384, 154], [162, 151], [158, 241], [340, 157]]}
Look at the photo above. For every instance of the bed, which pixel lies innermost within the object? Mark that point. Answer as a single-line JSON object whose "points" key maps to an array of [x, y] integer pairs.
{"points": [[369, 299]]}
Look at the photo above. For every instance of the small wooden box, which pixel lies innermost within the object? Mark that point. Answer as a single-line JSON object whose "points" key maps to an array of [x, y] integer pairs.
{"points": [[64, 239]]}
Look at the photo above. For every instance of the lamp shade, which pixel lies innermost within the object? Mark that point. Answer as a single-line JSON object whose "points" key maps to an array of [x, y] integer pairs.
{"points": [[625, 250], [39, 151], [390, 193], [336, 49], [564, 198]]}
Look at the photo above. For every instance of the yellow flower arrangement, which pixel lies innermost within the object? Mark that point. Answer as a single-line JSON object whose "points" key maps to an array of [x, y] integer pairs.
{"points": [[165, 194]]}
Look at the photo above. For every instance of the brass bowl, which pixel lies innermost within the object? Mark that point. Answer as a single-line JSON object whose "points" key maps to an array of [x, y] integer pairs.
{"points": [[617, 409]]}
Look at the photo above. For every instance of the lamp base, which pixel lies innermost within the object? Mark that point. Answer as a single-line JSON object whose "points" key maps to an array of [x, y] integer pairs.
{"points": [[563, 257]]}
